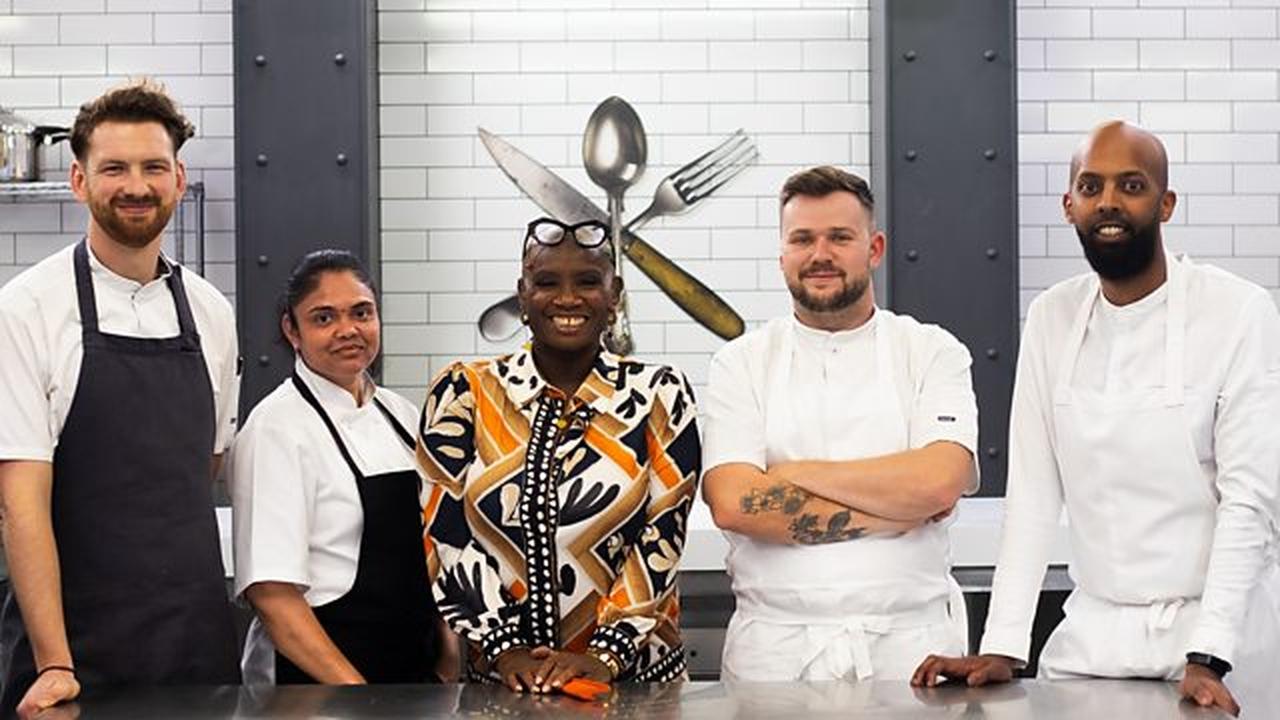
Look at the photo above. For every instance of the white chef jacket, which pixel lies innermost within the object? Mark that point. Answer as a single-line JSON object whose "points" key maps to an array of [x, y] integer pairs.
{"points": [[933, 384], [296, 509], [833, 371], [1232, 389], [40, 337]]}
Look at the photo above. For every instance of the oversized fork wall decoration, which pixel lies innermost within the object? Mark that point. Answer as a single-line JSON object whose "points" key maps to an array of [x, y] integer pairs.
{"points": [[675, 194]]}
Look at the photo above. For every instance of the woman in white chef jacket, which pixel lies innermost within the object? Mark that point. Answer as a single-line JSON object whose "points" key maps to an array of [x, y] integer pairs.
{"points": [[325, 488]]}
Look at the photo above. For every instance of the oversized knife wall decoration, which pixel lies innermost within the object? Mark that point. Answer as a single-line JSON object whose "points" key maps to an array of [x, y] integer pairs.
{"points": [[677, 193]]}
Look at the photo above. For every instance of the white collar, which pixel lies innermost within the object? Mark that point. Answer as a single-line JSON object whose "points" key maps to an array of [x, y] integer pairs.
{"points": [[1146, 304], [335, 399], [118, 281], [810, 336]]}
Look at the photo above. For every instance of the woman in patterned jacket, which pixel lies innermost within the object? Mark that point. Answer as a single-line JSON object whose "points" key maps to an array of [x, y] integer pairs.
{"points": [[559, 482]]}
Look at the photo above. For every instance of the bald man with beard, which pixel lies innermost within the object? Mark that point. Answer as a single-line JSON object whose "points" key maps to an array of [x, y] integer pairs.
{"points": [[1145, 404]]}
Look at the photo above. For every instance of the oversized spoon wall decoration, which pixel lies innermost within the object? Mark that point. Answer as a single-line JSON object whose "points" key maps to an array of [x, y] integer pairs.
{"points": [[614, 154], [615, 151]]}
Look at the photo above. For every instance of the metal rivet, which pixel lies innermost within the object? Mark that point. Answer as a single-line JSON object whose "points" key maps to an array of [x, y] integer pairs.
{"points": [[989, 55], [910, 156], [912, 256], [992, 353], [989, 153], [340, 59], [264, 360], [259, 60], [262, 260], [341, 158], [909, 55], [261, 160], [993, 452], [992, 253]]}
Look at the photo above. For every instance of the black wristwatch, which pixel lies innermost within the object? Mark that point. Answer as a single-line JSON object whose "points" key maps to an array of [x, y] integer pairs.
{"points": [[1219, 666]]}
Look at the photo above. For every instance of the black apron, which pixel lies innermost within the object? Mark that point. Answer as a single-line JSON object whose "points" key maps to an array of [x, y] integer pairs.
{"points": [[385, 624], [143, 587]]}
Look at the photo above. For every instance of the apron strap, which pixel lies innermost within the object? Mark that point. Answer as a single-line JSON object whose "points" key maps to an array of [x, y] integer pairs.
{"points": [[1161, 614], [1075, 339], [186, 321], [84, 289], [885, 376], [310, 397], [1175, 332], [847, 646], [1175, 335], [87, 299], [404, 434]]}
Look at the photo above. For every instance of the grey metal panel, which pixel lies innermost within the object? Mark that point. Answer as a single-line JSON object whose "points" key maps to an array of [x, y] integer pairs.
{"points": [[878, 27], [947, 141], [306, 157]]}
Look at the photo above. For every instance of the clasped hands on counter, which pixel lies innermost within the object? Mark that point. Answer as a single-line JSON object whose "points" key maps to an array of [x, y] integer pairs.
{"points": [[543, 670]]}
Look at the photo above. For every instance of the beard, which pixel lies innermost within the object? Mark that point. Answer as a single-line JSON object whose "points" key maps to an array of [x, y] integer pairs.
{"points": [[1125, 259], [850, 292], [131, 232]]}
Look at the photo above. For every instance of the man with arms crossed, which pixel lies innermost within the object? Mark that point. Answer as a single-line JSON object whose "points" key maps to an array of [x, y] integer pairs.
{"points": [[833, 438], [1146, 401], [118, 389]]}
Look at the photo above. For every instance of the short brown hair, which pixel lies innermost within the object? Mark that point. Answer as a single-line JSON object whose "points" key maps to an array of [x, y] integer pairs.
{"points": [[823, 180], [141, 101]]}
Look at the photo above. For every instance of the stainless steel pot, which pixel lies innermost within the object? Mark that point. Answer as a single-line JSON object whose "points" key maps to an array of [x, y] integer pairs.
{"points": [[20, 142]]}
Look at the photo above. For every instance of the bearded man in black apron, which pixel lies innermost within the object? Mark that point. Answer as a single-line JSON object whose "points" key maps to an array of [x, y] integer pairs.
{"points": [[118, 387]]}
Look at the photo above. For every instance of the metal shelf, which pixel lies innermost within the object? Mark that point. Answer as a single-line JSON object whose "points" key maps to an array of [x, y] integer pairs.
{"points": [[194, 197]]}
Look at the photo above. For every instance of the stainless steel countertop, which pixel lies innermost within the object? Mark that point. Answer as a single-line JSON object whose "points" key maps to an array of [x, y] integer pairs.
{"points": [[1084, 699]]}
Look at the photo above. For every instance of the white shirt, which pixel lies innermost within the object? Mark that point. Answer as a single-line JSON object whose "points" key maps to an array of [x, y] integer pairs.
{"points": [[296, 509], [40, 334], [1232, 381], [933, 384], [831, 379]]}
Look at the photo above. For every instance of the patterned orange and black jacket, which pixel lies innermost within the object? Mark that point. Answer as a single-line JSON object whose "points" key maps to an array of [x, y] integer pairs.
{"points": [[560, 521]]}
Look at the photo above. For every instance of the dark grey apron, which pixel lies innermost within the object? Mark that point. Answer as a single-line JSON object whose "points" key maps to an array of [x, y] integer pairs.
{"points": [[143, 589], [386, 624]]}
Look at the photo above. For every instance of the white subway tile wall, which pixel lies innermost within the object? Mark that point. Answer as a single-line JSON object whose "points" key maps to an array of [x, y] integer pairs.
{"points": [[1202, 75], [56, 54], [794, 73]]}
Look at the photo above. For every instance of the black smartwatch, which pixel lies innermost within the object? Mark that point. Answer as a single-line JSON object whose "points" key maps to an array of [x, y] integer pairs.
{"points": [[1219, 666]]}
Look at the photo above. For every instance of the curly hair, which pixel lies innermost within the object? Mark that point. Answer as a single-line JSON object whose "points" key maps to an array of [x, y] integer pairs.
{"points": [[140, 101]]}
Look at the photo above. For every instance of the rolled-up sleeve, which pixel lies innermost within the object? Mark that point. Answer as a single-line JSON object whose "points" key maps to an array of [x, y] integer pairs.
{"points": [[945, 407], [734, 427], [272, 496], [228, 384], [25, 409]]}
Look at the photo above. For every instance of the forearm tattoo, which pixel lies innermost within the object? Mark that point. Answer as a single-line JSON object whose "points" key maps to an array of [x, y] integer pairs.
{"points": [[805, 529], [782, 497]]}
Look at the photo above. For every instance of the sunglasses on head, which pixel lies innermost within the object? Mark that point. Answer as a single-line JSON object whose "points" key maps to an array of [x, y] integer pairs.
{"points": [[549, 232]]}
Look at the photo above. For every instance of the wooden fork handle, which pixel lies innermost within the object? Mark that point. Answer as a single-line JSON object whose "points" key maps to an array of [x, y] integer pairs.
{"points": [[684, 289]]}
